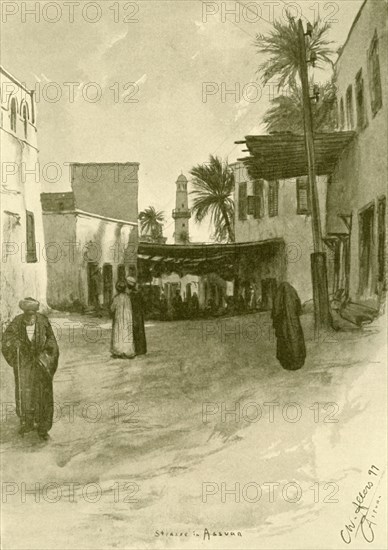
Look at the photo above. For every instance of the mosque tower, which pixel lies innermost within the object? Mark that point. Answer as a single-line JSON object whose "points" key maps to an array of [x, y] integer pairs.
{"points": [[181, 213]]}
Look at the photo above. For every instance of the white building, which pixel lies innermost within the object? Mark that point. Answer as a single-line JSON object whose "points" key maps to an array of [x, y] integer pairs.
{"points": [[23, 265], [356, 214], [91, 235]]}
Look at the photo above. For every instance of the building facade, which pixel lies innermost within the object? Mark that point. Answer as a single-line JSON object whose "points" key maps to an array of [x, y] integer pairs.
{"points": [[356, 206], [91, 235], [273, 210], [23, 265]]}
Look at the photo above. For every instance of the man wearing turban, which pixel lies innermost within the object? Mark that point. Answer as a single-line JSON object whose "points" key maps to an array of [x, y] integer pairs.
{"points": [[30, 348]]}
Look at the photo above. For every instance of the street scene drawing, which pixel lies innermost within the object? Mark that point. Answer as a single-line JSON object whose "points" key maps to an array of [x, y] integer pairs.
{"points": [[193, 274]]}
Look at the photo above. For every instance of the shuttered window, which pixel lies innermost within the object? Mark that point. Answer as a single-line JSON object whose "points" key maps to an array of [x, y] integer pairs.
{"points": [[242, 201], [251, 206], [349, 108], [362, 120], [273, 198], [303, 196], [258, 198], [31, 243], [375, 75]]}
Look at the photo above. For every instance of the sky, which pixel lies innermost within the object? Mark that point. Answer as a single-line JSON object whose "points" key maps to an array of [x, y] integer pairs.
{"points": [[147, 82]]}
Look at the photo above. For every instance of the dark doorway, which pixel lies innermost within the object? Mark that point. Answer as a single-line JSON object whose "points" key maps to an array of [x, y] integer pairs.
{"points": [[366, 219], [121, 272], [381, 236], [188, 292], [107, 275], [268, 290], [92, 271]]}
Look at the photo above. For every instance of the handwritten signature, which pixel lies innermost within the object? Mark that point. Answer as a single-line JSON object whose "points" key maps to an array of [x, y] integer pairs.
{"points": [[364, 515]]}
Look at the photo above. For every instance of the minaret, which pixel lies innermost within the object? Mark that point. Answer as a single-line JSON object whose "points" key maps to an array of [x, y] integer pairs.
{"points": [[181, 213]]}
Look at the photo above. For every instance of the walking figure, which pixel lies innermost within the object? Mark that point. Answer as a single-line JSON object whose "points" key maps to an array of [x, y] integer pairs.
{"points": [[30, 348], [287, 308], [139, 336], [122, 343]]}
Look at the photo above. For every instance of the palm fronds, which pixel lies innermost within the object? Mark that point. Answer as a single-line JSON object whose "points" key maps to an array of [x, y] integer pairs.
{"points": [[213, 188], [286, 112], [282, 47], [151, 222]]}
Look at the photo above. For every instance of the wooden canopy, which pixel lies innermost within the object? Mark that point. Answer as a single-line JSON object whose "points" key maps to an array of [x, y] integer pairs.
{"points": [[201, 258], [283, 155]]}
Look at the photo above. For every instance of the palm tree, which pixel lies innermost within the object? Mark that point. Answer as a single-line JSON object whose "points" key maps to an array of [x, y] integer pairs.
{"points": [[282, 46], [286, 113], [151, 223], [213, 188], [184, 237]]}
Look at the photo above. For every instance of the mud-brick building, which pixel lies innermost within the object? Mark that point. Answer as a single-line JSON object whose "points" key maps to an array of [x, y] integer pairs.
{"points": [[23, 269], [356, 206], [91, 235]]}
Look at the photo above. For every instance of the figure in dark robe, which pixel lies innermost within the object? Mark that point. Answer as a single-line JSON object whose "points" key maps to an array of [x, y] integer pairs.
{"points": [[30, 348], [163, 307], [194, 306], [177, 305], [139, 336], [287, 308]]}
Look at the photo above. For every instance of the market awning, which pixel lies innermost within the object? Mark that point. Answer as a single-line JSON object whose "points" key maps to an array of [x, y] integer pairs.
{"points": [[197, 258], [283, 155]]}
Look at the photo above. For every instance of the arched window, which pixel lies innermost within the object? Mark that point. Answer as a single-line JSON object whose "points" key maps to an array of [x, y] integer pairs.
{"points": [[13, 114], [25, 120]]}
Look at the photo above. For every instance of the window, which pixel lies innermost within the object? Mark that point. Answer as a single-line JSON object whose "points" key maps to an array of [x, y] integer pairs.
{"points": [[362, 120], [273, 198], [25, 121], [349, 108], [258, 198], [31, 243], [303, 196], [251, 205], [242, 201], [13, 115], [374, 75], [342, 114], [255, 200]]}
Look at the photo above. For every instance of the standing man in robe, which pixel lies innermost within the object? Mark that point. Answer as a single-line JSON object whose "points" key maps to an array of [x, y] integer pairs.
{"points": [[30, 348], [122, 343], [139, 336]]}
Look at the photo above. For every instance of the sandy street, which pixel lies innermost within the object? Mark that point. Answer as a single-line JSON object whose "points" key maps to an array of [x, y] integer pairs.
{"points": [[142, 448]]}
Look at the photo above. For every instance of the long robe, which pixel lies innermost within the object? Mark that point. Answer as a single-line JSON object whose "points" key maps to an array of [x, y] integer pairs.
{"points": [[138, 322], [291, 349], [36, 362], [122, 343]]}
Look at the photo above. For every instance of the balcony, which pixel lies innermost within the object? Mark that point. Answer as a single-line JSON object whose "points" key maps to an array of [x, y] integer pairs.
{"points": [[181, 213]]}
